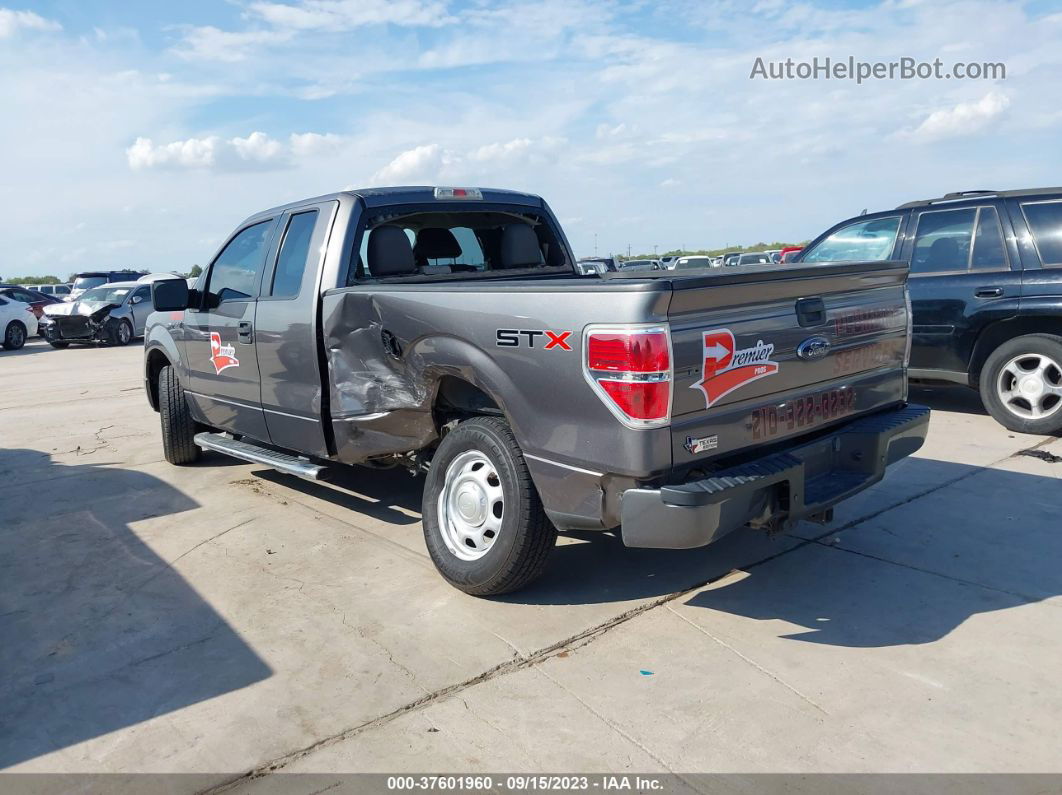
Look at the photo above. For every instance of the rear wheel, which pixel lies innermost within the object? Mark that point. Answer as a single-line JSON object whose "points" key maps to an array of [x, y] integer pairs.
{"points": [[178, 427], [1021, 384], [484, 525], [14, 336]]}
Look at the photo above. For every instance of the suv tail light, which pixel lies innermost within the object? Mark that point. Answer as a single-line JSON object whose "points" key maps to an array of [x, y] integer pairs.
{"points": [[630, 369]]}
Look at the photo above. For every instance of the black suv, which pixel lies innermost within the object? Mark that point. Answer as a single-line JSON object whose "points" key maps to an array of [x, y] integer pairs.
{"points": [[986, 290]]}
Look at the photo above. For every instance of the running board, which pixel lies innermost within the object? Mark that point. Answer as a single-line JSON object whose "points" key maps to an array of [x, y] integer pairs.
{"points": [[245, 451]]}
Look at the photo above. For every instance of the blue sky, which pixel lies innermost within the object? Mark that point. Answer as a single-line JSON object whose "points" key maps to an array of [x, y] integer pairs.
{"points": [[138, 134]]}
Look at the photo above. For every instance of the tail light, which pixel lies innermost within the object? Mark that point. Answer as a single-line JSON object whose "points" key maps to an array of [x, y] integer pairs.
{"points": [[630, 369]]}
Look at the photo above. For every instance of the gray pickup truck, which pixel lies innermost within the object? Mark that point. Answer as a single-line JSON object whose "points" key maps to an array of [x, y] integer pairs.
{"points": [[449, 332]]}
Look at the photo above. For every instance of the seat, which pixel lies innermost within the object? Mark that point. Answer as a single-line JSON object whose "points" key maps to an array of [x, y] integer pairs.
{"points": [[435, 243], [519, 247], [390, 253], [944, 256]]}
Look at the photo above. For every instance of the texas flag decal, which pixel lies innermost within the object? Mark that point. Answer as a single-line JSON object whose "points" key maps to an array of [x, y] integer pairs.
{"points": [[727, 367], [223, 356]]}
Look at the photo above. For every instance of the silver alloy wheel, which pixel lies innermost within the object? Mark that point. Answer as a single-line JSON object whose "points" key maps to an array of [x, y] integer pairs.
{"points": [[471, 506], [124, 333], [1030, 386]]}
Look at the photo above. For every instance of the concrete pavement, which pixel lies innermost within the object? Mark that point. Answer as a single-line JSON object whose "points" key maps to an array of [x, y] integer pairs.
{"points": [[222, 618]]}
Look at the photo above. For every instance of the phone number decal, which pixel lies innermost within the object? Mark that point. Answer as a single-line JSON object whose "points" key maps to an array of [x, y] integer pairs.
{"points": [[802, 413]]}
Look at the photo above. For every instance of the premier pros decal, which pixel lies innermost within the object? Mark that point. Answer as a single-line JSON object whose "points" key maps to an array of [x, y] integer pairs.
{"points": [[726, 367], [223, 356]]}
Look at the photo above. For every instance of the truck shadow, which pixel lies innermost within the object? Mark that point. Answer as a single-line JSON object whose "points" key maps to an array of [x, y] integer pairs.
{"points": [[389, 495], [97, 632], [908, 576]]}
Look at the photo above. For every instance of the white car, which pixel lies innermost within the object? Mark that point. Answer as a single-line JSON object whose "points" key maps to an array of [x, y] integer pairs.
{"points": [[17, 323]]}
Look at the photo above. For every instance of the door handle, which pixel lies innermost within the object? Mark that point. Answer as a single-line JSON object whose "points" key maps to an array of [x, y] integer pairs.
{"points": [[245, 331], [988, 292]]}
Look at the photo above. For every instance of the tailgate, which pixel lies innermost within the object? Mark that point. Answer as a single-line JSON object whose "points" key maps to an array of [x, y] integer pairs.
{"points": [[762, 354]]}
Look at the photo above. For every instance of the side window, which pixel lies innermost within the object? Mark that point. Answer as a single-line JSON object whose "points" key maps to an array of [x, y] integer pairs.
{"points": [[234, 271], [291, 263], [868, 241], [988, 251], [942, 240], [1045, 221]]}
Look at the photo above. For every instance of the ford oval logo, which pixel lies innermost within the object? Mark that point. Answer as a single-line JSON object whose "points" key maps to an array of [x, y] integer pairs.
{"points": [[813, 348]]}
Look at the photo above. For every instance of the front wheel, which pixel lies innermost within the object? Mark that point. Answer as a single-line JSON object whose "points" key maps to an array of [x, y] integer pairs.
{"points": [[484, 524], [122, 333], [14, 336], [1021, 384], [178, 427]]}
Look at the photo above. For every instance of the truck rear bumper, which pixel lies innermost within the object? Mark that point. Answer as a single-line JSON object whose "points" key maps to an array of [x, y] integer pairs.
{"points": [[776, 489]]}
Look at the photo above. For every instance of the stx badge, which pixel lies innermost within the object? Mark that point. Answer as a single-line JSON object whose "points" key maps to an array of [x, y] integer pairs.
{"points": [[223, 356], [726, 367]]}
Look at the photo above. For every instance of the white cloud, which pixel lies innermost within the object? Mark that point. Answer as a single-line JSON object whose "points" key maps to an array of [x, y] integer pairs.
{"points": [[258, 147], [965, 118], [208, 43], [420, 164], [192, 153], [256, 151], [338, 15], [11, 22]]}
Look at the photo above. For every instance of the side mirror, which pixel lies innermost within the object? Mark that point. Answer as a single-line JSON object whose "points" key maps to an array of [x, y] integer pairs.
{"points": [[136, 299], [169, 295]]}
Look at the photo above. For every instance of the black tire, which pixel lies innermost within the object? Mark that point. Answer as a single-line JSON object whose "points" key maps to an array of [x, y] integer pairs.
{"points": [[526, 537], [14, 336], [178, 427], [122, 334], [59, 345], [1025, 351]]}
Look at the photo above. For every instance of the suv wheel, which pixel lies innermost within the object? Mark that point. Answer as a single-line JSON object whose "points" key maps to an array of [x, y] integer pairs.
{"points": [[178, 427], [1021, 384], [483, 520], [14, 336]]}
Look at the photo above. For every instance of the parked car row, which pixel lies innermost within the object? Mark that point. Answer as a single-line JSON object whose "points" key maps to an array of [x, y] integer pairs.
{"points": [[113, 312]]}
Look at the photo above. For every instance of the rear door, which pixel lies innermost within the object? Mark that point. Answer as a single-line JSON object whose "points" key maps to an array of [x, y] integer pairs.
{"points": [[286, 331], [964, 275], [224, 383]]}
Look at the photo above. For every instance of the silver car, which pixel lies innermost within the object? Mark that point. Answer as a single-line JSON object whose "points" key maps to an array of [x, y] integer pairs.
{"points": [[113, 313]]}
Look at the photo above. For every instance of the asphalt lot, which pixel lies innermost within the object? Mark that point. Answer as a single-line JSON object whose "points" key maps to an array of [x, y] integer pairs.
{"points": [[222, 618]]}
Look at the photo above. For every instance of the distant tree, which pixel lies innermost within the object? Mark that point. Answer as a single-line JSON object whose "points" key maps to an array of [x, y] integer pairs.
{"points": [[194, 272], [34, 280]]}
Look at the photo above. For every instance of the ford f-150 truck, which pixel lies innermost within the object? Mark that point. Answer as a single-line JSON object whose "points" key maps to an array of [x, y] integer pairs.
{"points": [[448, 331]]}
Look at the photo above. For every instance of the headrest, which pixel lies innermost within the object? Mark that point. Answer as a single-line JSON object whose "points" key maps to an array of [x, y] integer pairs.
{"points": [[436, 243], [519, 247], [390, 253]]}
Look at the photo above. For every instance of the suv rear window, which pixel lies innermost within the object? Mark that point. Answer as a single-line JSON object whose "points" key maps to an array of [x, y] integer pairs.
{"points": [[863, 241], [1045, 221]]}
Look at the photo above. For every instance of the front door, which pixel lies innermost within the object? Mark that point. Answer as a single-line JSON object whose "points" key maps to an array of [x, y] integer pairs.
{"points": [[963, 277], [224, 384], [140, 307]]}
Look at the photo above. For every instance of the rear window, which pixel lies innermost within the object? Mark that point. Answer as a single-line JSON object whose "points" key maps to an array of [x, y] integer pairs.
{"points": [[862, 241], [88, 282], [454, 245], [1045, 221]]}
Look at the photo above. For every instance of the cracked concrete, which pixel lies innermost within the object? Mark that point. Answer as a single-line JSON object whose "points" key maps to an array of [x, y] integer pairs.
{"points": [[226, 620]]}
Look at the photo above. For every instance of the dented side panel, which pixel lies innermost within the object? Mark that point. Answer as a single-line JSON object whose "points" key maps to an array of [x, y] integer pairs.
{"points": [[388, 348]]}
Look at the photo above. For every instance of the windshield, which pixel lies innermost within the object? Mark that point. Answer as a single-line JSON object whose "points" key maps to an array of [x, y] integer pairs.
{"points": [[106, 295], [87, 282]]}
